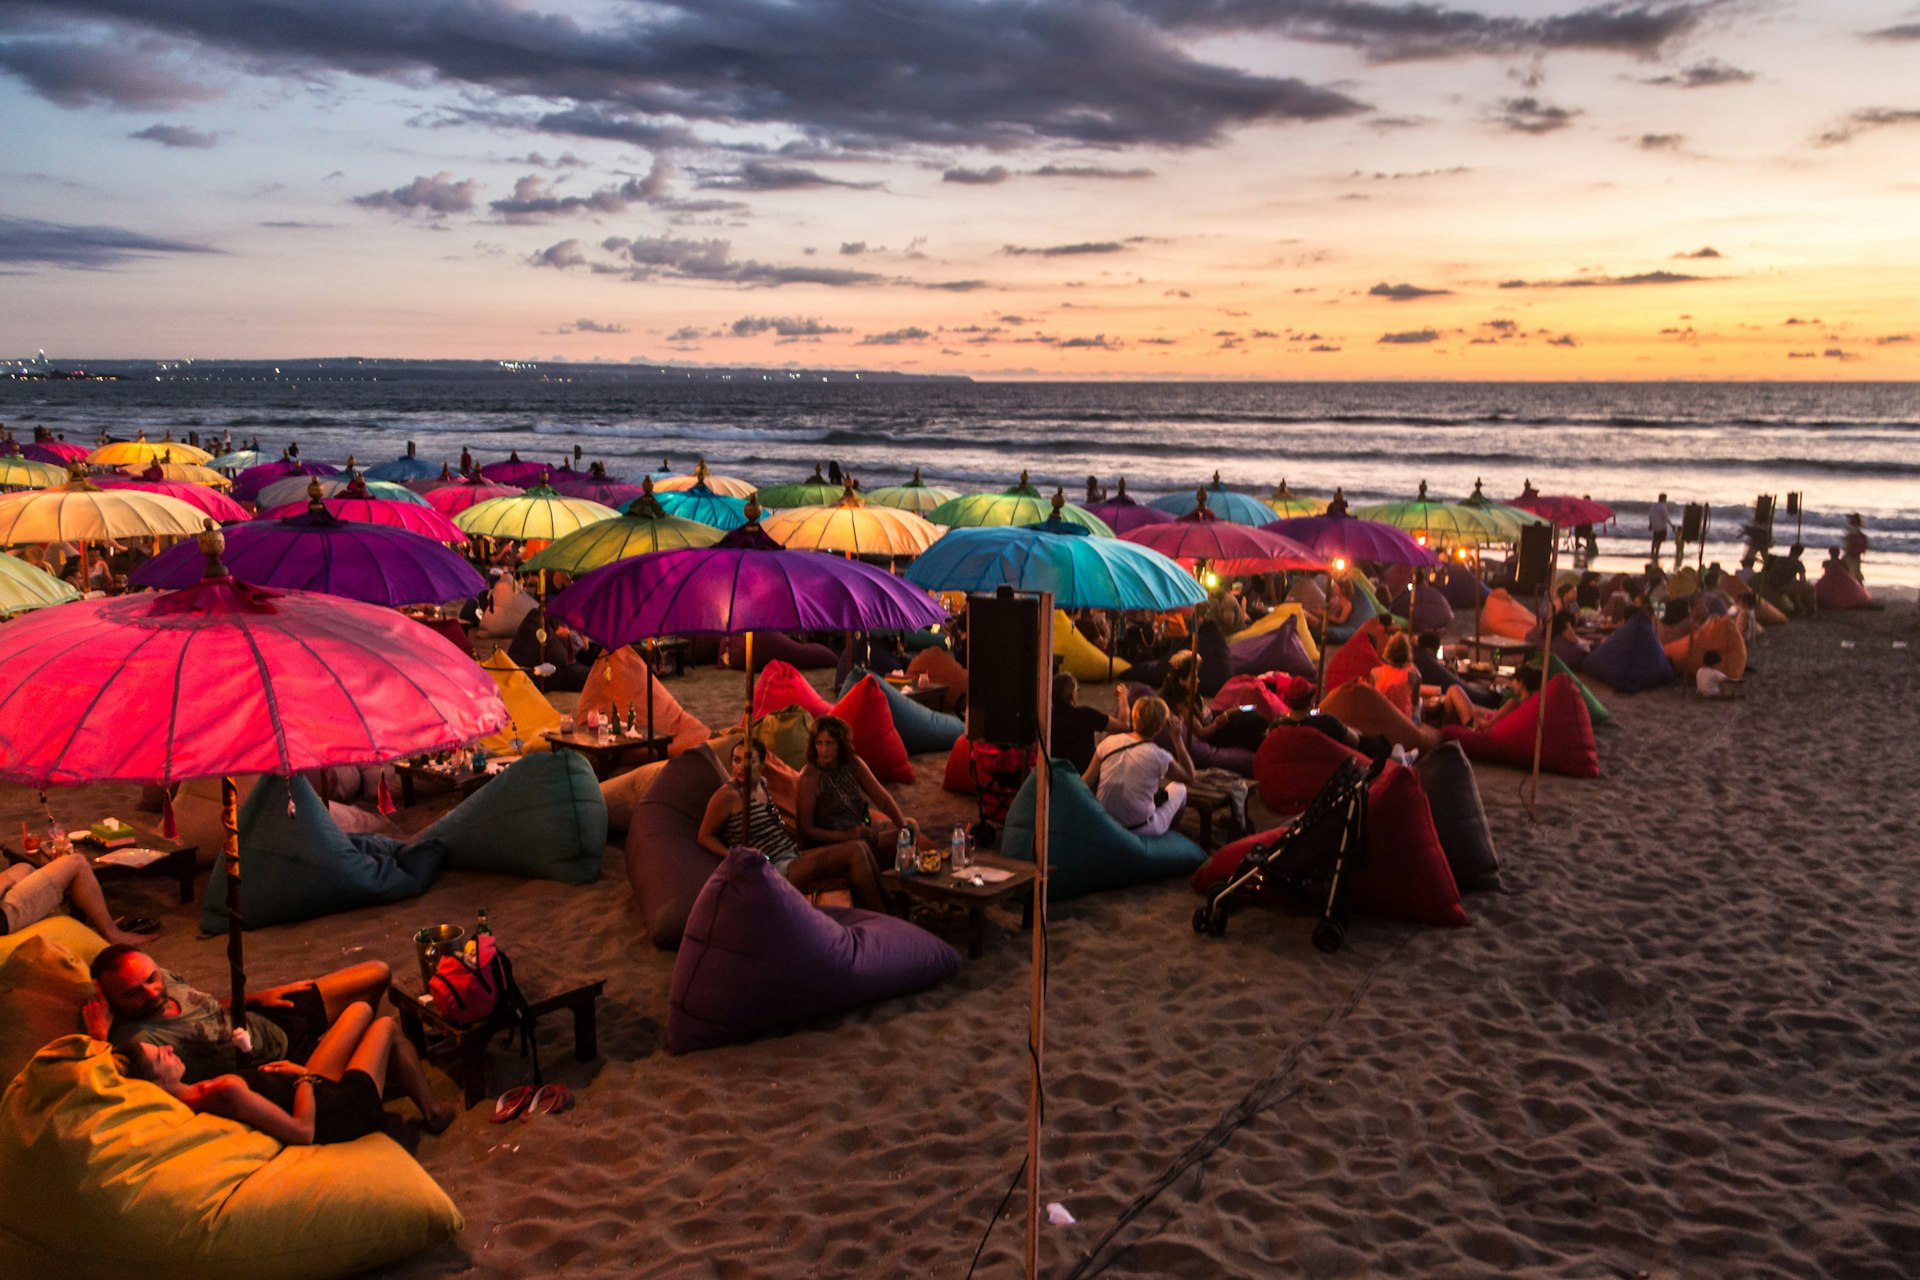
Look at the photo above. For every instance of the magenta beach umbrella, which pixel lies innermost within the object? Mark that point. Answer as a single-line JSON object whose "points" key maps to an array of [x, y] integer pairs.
{"points": [[353, 503], [248, 484], [60, 453], [1122, 513], [608, 493], [514, 471], [219, 506], [1564, 509], [1202, 535], [1335, 534]]}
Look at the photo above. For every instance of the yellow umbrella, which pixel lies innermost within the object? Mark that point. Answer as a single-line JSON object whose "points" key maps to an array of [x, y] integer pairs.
{"points": [[80, 512], [24, 587], [24, 473], [537, 513], [184, 472], [725, 486], [122, 452], [853, 527]]}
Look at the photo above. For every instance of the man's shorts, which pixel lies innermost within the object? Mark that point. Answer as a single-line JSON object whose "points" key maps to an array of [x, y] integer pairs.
{"points": [[305, 1022]]}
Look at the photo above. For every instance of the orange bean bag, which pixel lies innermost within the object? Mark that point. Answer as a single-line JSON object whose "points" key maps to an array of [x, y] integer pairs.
{"points": [[1567, 746], [1838, 589], [619, 680], [1505, 616], [1354, 660], [941, 667], [780, 686], [1769, 616], [1721, 633], [1367, 710], [1293, 762]]}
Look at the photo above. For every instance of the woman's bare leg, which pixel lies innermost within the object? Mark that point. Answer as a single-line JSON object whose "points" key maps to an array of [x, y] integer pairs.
{"points": [[74, 876], [341, 1043], [383, 1051], [849, 860]]}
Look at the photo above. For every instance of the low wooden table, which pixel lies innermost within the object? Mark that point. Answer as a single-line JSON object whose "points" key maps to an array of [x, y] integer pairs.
{"points": [[1204, 802], [931, 696], [668, 654], [447, 778], [941, 888], [605, 757], [181, 861], [464, 1048]]}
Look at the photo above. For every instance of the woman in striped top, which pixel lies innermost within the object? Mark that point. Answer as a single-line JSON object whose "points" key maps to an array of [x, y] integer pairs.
{"points": [[848, 862]]}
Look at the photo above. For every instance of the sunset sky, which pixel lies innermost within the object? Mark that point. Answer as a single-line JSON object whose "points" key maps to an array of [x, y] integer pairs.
{"points": [[1135, 189]]}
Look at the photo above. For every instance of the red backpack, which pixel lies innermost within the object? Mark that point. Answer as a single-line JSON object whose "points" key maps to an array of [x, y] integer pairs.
{"points": [[468, 991]]}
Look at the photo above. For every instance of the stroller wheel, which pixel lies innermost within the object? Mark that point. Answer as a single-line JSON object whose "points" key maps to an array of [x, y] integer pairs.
{"points": [[1327, 936], [1200, 919], [1216, 922]]}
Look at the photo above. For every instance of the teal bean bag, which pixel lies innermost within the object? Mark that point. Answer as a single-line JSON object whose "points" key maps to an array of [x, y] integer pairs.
{"points": [[1596, 709], [543, 818], [1090, 851], [1365, 610], [300, 866], [920, 728]]}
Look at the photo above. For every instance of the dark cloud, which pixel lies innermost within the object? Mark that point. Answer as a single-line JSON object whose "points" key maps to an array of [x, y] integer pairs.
{"points": [[534, 201], [87, 248], [1419, 173], [937, 72], [593, 326], [437, 196], [1404, 292], [853, 248], [1596, 282], [895, 337], [1411, 336], [1905, 31], [1321, 347], [1158, 342], [1065, 250], [952, 286], [978, 177], [685, 333], [135, 73], [1089, 171], [760, 175], [1835, 353], [176, 135], [1705, 251], [1530, 115], [1703, 75], [1659, 141], [298, 226], [1564, 340], [673, 258], [1864, 121], [1892, 338], [1097, 342], [782, 326], [565, 160], [1503, 326]]}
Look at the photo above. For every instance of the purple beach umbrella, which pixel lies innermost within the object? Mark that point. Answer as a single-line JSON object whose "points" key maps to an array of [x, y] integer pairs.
{"points": [[1122, 513], [248, 484], [1338, 534]]}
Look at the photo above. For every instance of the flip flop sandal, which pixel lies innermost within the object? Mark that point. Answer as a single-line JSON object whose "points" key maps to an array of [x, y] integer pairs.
{"points": [[549, 1100], [514, 1102], [146, 926]]}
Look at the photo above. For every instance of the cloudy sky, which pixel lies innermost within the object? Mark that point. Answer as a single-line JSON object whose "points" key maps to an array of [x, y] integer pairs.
{"points": [[1129, 188]]}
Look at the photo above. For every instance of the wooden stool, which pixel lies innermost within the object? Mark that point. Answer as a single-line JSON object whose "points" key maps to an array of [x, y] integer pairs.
{"points": [[463, 1049]]}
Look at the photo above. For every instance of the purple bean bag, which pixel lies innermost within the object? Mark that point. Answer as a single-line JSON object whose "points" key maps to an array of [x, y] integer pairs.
{"points": [[1277, 650], [1630, 659], [757, 955], [1432, 610], [1460, 587], [768, 645], [666, 866]]}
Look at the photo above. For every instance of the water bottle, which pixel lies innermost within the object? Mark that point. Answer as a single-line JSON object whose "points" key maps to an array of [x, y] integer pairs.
{"points": [[903, 853], [962, 856]]}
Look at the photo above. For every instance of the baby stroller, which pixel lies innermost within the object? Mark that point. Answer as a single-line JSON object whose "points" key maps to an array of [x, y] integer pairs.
{"points": [[1311, 863]]}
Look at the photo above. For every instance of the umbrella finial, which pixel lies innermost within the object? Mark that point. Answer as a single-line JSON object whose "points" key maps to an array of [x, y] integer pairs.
{"points": [[1121, 492], [848, 498], [212, 543], [1059, 502], [1423, 491], [1216, 481], [546, 481], [917, 482], [446, 472], [1200, 499], [143, 435], [314, 495], [699, 472], [752, 509], [1024, 482], [1337, 505], [646, 506], [513, 455]]}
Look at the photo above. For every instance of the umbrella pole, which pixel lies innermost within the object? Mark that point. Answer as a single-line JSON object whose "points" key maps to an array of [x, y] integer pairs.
{"points": [[647, 659], [1113, 638], [746, 786], [1037, 1020], [236, 923], [1540, 716]]}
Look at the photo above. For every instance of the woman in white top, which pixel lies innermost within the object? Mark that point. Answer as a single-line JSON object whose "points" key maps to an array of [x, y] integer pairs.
{"points": [[1138, 782]]}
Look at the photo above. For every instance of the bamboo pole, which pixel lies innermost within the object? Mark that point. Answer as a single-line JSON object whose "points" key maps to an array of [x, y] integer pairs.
{"points": [[1037, 1015], [236, 923]]}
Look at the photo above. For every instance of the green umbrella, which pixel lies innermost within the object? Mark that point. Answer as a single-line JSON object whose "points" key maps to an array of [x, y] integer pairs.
{"points": [[1437, 523], [1513, 519], [1019, 506], [915, 495], [814, 491], [1290, 504], [642, 526]]}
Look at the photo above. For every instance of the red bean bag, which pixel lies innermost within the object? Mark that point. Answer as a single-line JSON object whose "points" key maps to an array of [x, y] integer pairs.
{"points": [[1354, 660], [1566, 748], [959, 775], [1365, 709], [781, 686], [1293, 763], [1505, 616], [1838, 589], [1721, 633], [1262, 693], [875, 740], [941, 667], [1404, 875]]}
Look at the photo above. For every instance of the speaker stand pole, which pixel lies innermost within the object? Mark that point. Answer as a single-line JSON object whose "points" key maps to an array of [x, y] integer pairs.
{"points": [[1037, 1021], [1546, 670]]}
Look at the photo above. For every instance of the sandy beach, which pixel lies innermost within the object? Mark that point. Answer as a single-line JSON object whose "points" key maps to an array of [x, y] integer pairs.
{"points": [[1682, 1043]]}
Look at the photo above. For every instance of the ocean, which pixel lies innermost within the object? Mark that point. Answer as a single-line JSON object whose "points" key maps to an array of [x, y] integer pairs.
{"points": [[1844, 446]]}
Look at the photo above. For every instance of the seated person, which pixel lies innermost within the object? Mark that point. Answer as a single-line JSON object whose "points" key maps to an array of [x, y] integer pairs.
{"points": [[1434, 671], [1299, 696], [1710, 681], [335, 1097], [507, 607], [1075, 728], [1137, 781], [850, 862], [152, 1006], [1339, 602], [1456, 708], [29, 893], [1397, 679], [562, 650], [1674, 623], [1566, 644], [1228, 613], [835, 791]]}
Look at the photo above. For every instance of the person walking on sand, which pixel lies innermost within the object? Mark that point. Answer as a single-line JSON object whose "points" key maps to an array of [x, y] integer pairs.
{"points": [[1659, 524], [1853, 546]]}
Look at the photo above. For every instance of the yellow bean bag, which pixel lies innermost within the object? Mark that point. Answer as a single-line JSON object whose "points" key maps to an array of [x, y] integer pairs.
{"points": [[619, 681], [1683, 583], [532, 714], [1365, 709], [43, 983], [1079, 656], [1279, 616], [110, 1178], [1505, 616]]}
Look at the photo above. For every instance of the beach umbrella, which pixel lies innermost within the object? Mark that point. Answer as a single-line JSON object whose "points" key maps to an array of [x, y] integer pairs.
{"points": [[19, 472], [248, 484], [441, 479], [81, 511], [704, 505], [915, 495], [1234, 508], [317, 551], [1082, 573], [1563, 509], [1437, 523], [514, 471], [211, 502], [179, 472], [451, 499], [725, 486], [1338, 534], [1288, 503], [408, 466], [24, 586], [1513, 518], [354, 503], [1122, 513], [642, 527], [608, 493], [1021, 505], [282, 682], [815, 491], [239, 460], [297, 488], [1200, 535], [851, 527], [537, 513], [61, 453], [142, 451]]}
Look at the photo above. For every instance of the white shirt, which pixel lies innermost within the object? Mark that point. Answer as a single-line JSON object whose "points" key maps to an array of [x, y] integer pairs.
{"points": [[1710, 682], [1131, 770], [1660, 519]]}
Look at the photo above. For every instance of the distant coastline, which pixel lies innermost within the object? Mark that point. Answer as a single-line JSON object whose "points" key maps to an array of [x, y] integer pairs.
{"points": [[381, 369]]}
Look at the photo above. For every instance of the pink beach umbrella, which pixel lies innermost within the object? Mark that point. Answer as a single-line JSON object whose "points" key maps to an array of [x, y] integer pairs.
{"points": [[1231, 548], [608, 493], [60, 453], [1122, 513], [1564, 509], [515, 471], [223, 509], [248, 484], [283, 682], [451, 499], [353, 503]]}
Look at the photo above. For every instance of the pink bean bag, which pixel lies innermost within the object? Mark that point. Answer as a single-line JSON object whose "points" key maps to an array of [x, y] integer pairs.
{"points": [[780, 686], [1293, 762], [1262, 693], [1838, 589], [875, 740], [619, 681], [1354, 660], [1566, 748]]}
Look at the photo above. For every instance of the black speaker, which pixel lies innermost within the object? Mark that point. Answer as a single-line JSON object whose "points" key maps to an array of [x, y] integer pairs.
{"points": [[1003, 669], [1693, 522], [1793, 503], [1536, 559], [1763, 511]]}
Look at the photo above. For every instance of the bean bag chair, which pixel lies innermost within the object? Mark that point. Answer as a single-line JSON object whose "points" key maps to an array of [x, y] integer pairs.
{"points": [[1354, 660], [666, 865], [107, 1177], [623, 793], [618, 681], [875, 739], [1404, 875], [777, 646], [940, 667], [786, 734], [919, 641], [958, 775], [1290, 614], [1504, 616], [1459, 818], [1769, 614], [757, 955], [543, 818], [1432, 610], [1461, 588], [1276, 650], [920, 728], [532, 715], [1088, 850], [1682, 583], [1216, 659], [43, 983], [780, 685], [1838, 589], [1715, 633], [1567, 746], [1235, 760], [1293, 763], [1596, 710], [1631, 659], [996, 774], [1365, 709], [300, 865], [1262, 693], [1080, 656], [1365, 610]]}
